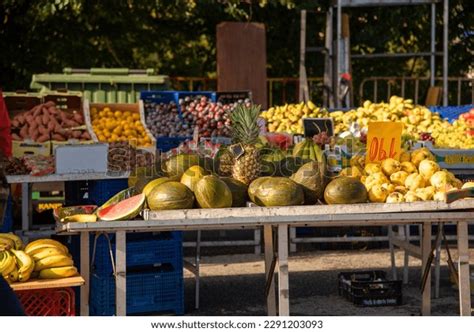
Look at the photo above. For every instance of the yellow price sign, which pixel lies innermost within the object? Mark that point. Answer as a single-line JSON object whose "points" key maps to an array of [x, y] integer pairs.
{"points": [[384, 140]]}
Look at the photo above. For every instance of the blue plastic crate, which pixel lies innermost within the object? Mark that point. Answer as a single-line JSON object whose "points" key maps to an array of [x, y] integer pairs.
{"points": [[451, 113], [147, 292], [143, 249], [100, 191], [164, 144]]}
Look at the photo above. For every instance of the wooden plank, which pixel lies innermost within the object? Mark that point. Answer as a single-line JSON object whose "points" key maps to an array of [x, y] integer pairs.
{"points": [[242, 59], [392, 252], [221, 221], [426, 249], [48, 283], [283, 280], [463, 270], [66, 177], [85, 272], [409, 248], [121, 274], [268, 239]]}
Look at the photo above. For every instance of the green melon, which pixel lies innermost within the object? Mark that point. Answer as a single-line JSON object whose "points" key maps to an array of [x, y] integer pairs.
{"points": [[212, 192], [153, 184], [255, 185], [238, 190], [345, 190], [170, 195], [192, 175], [177, 165], [277, 191], [311, 177], [289, 165]]}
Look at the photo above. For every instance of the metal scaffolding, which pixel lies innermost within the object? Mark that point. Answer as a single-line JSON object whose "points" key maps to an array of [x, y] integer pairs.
{"points": [[339, 4]]}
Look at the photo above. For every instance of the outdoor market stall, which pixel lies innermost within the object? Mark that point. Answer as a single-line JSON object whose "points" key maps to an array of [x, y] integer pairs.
{"points": [[280, 218]]}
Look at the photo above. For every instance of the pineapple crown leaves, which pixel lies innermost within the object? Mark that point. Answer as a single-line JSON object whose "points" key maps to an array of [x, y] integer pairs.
{"points": [[245, 127]]}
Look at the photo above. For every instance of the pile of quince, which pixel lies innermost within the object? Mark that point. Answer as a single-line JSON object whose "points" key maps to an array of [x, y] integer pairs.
{"points": [[416, 119], [289, 117], [416, 177]]}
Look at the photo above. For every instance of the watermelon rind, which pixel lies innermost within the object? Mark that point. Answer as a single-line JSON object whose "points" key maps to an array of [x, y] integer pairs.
{"points": [[105, 214]]}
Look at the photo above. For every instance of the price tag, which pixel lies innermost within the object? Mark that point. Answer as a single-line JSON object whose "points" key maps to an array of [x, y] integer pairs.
{"points": [[384, 140], [314, 126]]}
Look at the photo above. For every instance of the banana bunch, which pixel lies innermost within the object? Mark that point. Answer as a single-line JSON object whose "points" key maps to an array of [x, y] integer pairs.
{"points": [[289, 117], [10, 240], [51, 259], [308, 150]]}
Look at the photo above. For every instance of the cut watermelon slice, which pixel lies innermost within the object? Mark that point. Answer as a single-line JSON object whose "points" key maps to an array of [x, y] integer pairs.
{"points": [[127, 209]]}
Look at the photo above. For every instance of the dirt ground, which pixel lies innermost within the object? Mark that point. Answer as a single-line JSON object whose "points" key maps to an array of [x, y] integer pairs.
{"points": [[234, 285]]}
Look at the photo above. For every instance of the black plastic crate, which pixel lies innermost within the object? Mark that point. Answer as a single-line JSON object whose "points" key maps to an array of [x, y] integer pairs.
{"points": [[370, 288]]}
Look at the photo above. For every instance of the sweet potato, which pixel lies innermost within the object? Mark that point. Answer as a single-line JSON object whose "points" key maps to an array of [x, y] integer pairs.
{"points": [[29, 118], [49, 104], [43, 130], [33, 133], [45, 119], [21, 119], [76, 134], [24, 132], [53, 110], [15, 137], [78, 118], [15, 123], [50, 126], [86, 136], [39, 120], [63, 117], [35, 111], [42, 138], [33, 124], [58, 137]]}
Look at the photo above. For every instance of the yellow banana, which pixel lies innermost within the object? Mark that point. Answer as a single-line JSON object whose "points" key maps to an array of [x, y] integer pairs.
{"points": [[46, 252], [53, 261], [7, 263], [43, 246], [15, 238], [32, 246], [25, 264], [58, 272], [80, 218], [7, 243], [13, 276]]}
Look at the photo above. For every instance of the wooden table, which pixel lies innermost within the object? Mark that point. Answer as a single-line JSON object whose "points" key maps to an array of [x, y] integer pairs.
{"points": [[26, 182], [279, 219], [48, 283]]}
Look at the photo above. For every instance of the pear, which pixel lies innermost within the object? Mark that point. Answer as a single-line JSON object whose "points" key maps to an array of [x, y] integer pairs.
{"points": [[372, 168], [409, 167], [421, 154], [395, 197], [414, 181], [427, 168], [398, 178], [411, 196], [378, 194], [390, 166]]}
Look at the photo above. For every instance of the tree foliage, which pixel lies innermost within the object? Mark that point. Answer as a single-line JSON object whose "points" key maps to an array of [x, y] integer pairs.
{"points": [[178, 37]]}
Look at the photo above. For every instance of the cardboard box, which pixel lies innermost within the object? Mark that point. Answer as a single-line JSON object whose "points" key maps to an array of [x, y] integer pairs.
{"points": [[81, 158]]}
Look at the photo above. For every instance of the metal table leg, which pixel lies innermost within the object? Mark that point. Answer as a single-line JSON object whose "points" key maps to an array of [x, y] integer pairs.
{"points": [[121, 277], [197, 271], [25, 206], [463, 270], [85, 272], [283, 283], [269, 246], [425, 251]]}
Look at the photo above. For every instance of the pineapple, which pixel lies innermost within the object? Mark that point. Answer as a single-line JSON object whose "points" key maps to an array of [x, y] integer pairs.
{"points": [[226, 162], [245, 132]]}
